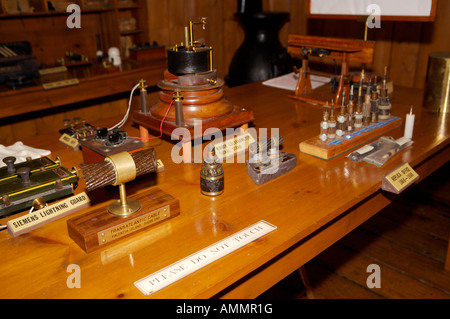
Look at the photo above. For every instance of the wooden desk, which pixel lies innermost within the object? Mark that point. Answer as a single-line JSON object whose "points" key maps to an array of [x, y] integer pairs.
{"points": [[95, 82], [313, 206]]}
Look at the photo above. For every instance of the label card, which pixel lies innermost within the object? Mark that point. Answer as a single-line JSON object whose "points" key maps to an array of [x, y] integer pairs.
{"points": [[69, 141], [60, 84], [159, 166], [399, 179], [233, 146], [47, 214], [200, 259]]}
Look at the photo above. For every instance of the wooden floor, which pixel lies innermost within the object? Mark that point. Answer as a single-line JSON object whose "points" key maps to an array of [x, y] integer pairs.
{"points": [[407, 240]]}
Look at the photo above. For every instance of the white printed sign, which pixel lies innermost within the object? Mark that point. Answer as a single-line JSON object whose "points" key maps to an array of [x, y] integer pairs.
{"points": [[200, 259], [47, 214]]}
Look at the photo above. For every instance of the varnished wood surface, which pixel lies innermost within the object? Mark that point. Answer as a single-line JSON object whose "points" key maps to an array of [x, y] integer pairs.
{"points": [[408, 240], [317, 200]]}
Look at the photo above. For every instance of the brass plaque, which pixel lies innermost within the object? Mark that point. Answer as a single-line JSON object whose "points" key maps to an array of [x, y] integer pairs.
{"points": [[130, 226]]}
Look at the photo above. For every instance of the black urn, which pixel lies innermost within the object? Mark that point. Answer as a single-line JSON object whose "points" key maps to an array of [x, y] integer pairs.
{"points": [[261, 55]]}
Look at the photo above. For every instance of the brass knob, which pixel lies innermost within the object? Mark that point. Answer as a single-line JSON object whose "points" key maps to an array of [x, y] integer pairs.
{"points": [[39, 203]]}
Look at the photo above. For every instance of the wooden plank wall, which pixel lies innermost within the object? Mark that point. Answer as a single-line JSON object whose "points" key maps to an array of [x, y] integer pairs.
{"points": [[401, 46]]}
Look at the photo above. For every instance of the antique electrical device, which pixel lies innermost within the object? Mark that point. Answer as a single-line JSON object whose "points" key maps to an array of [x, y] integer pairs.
{"points": [[107, 142], [191, 93], [355, 125], [344, 50], [33, 182], [126, 215], [211, 174], [267, 162]]}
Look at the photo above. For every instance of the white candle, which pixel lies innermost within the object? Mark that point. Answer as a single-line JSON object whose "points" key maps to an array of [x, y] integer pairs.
{"points": [[409, 125]]}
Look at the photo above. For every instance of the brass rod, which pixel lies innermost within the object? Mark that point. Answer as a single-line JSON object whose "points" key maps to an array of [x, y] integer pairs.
{"points": [[123, 195]]}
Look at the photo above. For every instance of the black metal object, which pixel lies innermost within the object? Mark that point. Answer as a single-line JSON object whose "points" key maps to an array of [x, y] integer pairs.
{"points": [[182, 61], [261, 56]]}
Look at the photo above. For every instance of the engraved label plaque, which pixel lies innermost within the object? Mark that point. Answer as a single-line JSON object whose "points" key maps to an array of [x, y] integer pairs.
{"points": [[99, 228], [130, 226]]}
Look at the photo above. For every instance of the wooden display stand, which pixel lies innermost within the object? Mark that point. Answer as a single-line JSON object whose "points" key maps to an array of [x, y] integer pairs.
{"points": [[99, 227], [344, 50], [332, 148]]}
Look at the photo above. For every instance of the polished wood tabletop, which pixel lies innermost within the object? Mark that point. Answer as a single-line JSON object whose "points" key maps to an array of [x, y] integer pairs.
{"points": [[312, 206]]}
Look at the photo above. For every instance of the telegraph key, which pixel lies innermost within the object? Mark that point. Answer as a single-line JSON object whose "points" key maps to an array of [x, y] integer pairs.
{"points": [[104, 143], [125, 216]]}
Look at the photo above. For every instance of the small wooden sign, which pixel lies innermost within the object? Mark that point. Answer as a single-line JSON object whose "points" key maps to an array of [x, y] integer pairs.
{"points": [[98, 227], [47, 214], [60, 84], [399, 179]]}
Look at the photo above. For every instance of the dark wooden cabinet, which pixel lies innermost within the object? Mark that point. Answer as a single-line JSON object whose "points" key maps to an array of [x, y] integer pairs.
{"points": [[49, 27]]}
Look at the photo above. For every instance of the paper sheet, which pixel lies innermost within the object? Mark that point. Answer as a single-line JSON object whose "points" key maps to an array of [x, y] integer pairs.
{"points": [[289, 81], [360, 7], [20, 152]]}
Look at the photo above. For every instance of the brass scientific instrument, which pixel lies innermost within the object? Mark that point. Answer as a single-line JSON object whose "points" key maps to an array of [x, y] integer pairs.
{"points": [[437, 85], [126, 215], [344, 50], [192, 91]]}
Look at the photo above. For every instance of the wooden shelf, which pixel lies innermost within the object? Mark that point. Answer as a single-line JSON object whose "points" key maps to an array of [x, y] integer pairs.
{"points": [[129, 7], [131, 32], [101, 18], [94, 81]]}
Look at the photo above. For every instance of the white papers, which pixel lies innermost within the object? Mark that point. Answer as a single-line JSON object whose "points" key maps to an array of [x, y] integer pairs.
{"points": [[419, 8], [289, 81], [21, 152]]}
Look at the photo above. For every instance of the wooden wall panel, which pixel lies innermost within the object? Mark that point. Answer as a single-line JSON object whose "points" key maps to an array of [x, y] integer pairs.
{"points": [[401, 46], [435, 38]]}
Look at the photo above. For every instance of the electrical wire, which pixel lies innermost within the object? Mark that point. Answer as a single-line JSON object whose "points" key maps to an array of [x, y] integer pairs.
{"points": [[125, 118], [160, 127]]}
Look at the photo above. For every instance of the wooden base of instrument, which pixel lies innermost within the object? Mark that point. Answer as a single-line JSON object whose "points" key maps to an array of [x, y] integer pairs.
{"points": [[208, 106], [99, 228], [329, 149]]}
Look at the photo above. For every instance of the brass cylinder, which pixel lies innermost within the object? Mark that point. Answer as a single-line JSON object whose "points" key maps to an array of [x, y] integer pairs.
{"points": [[104, 173], [124, 166], [437, 86]]}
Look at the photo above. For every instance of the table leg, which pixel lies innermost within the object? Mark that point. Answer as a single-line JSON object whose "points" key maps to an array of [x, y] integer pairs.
{"points": [[186, 145], [447, 259], [304, 278], [243, 128], [143, 131]]}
